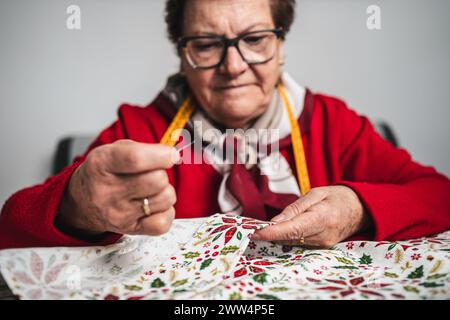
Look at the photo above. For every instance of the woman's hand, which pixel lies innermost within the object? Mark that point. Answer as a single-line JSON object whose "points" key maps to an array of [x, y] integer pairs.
{"points": [[106, 192], [323, 217]]}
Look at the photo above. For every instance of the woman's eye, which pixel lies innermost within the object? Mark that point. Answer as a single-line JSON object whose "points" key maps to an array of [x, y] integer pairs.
{"points": [[254, 40], [205, 46]]}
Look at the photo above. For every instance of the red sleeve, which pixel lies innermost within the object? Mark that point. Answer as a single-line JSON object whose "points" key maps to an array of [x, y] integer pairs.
{"points": [[27, 218], [405, 199]]}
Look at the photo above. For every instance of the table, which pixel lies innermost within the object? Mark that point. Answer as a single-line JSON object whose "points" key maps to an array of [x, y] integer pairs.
{"points": [[213, 258]]}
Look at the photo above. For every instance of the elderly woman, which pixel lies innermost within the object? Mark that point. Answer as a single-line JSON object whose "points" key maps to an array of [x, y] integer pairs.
{"points": [[336, 178]]}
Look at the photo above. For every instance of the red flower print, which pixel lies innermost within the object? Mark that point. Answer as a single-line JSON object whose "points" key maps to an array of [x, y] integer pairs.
{"points": [[350, 245], [206, 244], [241, 272], [358, 284], [251, 265], [230, 226], [252, 245], [229, 234], [41, 280], [416, 256]]}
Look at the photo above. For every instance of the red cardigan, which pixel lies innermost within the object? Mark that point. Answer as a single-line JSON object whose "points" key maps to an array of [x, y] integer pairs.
{"points": [[404, 198]]}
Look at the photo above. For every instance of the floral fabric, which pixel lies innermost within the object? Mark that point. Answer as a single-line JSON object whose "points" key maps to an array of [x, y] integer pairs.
{"points": [[214, 258]]}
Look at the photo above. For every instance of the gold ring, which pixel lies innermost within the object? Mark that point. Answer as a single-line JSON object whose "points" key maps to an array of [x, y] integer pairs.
{"points": [[302, 240], [299, 242], [146, 207]]}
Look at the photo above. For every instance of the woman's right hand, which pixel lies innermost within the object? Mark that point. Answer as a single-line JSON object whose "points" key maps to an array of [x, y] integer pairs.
{"points": [[106, 192]]}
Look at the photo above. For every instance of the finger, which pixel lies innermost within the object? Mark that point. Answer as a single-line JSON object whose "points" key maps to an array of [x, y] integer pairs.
{"points": [[321, 240], [157, 223], [143, 185], [160, 202], [134, 157], [303, 225], [301, 205], [308, 242]]}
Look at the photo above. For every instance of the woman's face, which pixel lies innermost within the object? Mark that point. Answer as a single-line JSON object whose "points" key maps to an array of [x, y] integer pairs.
{"points": [[234, 93]]}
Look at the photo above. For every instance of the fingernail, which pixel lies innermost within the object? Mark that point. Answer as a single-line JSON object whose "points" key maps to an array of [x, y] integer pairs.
{"points": [[175, 156], [255, 236], [278, 218]]}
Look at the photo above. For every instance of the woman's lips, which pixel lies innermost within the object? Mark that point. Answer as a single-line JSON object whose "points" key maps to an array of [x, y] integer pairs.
{"points": [[234, 87]]}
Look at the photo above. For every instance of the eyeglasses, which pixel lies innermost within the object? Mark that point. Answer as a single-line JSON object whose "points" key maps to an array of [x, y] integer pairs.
{"points": [[207, 52]]}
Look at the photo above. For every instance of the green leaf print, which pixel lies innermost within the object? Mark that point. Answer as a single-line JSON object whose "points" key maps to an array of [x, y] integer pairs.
{"points": [[157, 283], [437, 276], [390, 275], [261, 278], [281, 261], [365, 259], [267, 296], [191, 255], [411, 289], [345, 267], [179, 283], [239, 235], [431, 284], [206, 263], [216, 237], [179, 290], [392, 246], [278, 289], [344, 260], [235, 296], [418, 273], [228, 249], [132, 287]]}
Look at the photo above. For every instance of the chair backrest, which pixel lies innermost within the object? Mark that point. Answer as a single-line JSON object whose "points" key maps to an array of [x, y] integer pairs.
{"points": [[386, 131], [68, 149]]}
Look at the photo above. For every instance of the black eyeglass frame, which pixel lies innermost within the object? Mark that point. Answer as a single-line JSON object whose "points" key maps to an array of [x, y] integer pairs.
{"points": [[182, 44]]}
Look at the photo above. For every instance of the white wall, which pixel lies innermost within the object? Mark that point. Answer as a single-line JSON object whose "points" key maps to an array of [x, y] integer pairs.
{"points": [[55, 82]]}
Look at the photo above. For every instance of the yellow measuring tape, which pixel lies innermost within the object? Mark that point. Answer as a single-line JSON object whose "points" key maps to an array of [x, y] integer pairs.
{"points": [[173, 133], [297, 146]]}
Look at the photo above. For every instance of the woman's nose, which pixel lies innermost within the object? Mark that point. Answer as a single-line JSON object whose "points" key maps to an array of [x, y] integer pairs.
{"points": [[234, 64]]}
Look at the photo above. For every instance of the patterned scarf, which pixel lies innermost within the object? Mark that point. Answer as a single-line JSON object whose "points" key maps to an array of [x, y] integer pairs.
{"points": [[254, 184]]}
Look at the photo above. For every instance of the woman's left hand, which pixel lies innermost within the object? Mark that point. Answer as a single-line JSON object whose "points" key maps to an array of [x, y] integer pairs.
{"points": [[322, 218]]}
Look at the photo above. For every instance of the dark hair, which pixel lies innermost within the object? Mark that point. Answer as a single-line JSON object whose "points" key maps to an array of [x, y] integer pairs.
{"points": [[283, 13]]}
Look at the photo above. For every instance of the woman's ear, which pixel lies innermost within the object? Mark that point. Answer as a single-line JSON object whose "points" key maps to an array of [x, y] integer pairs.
{"points": [[181, 71]]}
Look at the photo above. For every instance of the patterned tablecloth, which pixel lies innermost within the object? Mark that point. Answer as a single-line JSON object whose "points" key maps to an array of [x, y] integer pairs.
{"points": [[214, 258]]}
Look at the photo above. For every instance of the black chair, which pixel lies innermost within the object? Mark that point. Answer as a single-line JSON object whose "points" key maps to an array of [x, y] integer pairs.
{"points": [[386, 131], [67, 149]]}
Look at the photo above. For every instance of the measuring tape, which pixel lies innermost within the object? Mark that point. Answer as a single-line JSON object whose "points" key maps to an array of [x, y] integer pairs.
{"points": [[173, 133], [297, 146]]}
